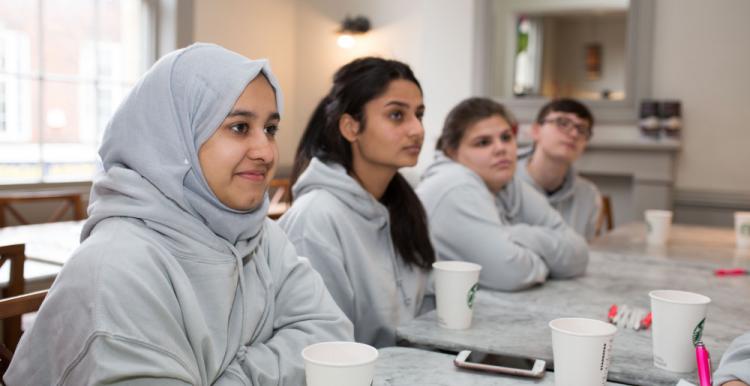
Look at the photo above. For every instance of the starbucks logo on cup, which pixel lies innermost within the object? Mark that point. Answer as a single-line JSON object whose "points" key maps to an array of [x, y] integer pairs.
{"points": [[745, 229], [470, 295]]}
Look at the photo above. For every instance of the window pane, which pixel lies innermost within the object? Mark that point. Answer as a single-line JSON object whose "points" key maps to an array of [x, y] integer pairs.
{"points": [[19, 142], [67, 108], [68, 25], [121, 51], [89, 53], [19, 31]]}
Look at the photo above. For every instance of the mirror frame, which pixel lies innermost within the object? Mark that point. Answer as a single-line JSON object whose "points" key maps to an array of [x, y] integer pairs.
{"points": [[637, 76]]}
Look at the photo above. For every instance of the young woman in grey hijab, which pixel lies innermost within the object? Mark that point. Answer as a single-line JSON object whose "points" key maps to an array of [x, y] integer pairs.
{"points": [[180, 279]]}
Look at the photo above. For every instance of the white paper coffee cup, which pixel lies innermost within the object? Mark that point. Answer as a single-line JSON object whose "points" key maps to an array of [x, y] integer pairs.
{"points": [[456, 283], [339, 364], [658, 224], [581, 350], [742, 229], [675, 315]]}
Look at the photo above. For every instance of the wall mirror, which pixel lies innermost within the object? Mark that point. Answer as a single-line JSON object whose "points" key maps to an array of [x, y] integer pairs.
{"points": [[599, 51]]}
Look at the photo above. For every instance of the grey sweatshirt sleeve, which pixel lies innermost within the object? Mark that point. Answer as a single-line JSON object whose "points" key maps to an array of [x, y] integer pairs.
{"points": [[594, 207], [304, 314], [465, 226], [330, 264], [541, 229], [735, 364]]}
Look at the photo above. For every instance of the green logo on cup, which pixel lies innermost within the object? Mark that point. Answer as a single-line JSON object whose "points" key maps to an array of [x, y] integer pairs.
{"points": [[745, 229], [698, 332], [470, 295], [648, 226]]}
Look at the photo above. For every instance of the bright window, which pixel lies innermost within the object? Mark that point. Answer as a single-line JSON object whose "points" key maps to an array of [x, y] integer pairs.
{"points": [[65, 65]]}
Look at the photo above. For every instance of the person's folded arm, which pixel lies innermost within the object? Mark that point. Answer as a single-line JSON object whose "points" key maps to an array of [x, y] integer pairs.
{"points": [[304, 313], [465, 225]]}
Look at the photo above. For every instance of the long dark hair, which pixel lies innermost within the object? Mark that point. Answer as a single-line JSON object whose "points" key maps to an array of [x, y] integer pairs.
{"points": [[355, 84]]}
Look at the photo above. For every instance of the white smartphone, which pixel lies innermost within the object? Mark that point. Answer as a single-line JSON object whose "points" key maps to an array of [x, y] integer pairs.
{"points": [[506, 364]]}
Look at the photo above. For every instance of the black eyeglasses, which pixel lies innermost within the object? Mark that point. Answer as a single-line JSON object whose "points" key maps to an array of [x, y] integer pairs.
{"points": [[566, 125]]}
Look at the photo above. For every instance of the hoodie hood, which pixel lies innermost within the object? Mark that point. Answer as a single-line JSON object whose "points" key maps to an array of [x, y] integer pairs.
{"points": [[150, 148], [451, 174], [566, 190], [333, 178]]}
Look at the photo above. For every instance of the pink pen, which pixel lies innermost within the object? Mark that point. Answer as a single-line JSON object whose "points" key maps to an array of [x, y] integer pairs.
{"points": [[704, 364]]}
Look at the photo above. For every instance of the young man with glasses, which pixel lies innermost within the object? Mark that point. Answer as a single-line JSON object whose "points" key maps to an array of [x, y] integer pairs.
{"points": [[561, 132]]}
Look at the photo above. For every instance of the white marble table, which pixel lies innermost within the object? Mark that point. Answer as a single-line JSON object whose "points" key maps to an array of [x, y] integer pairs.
{"points": [[401, 366], [51, 242], [621, 271]]}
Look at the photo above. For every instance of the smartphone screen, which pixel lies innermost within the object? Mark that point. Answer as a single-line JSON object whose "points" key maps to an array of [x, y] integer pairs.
{"points": [[501, 360]]}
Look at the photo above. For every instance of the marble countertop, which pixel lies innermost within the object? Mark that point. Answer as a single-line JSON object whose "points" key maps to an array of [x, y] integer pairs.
{"points": [[401, 366], [618, 273], [616, 137]]}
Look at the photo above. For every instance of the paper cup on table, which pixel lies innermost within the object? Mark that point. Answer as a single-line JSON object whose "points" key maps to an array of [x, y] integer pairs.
{"points": [[676, 314], [658, 224], [581, 351], [339, 364], [456, 283], [742, 229]]}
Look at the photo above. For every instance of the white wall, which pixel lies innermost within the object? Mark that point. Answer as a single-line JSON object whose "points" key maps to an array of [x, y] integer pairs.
{"points": [[432, 36], [702, 57], [257, 29], [299, 38]]}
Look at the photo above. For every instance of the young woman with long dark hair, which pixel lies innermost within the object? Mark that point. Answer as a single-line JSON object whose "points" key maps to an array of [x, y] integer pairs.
{"points": [[354, 216]]}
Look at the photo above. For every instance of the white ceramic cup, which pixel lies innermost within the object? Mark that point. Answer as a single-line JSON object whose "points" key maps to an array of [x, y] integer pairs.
{"points": [[339, 364], [581, 350], [456, 283], [658, 224], [742, 229], [676, 314]]}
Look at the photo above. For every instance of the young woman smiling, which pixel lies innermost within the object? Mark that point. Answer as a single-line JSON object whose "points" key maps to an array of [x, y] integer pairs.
{"points": [[180, 278]]}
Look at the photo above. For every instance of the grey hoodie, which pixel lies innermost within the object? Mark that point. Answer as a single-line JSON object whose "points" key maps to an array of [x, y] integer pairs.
{"points": [[515, 236], [578, 200], [346, 235], [735, 364], [170, 286]]}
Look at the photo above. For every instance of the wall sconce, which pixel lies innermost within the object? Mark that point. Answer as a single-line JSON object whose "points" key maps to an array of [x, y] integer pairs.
{"points": [[349, 27]]}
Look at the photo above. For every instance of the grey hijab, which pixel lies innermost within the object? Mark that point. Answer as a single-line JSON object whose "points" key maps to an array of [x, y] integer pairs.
{"points": [[150, 148]]}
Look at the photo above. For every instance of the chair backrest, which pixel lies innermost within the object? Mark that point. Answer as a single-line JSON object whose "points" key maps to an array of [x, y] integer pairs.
{"points": [[281, 197], [14, 307], [15, 256], [605, 217], [70, 199]]}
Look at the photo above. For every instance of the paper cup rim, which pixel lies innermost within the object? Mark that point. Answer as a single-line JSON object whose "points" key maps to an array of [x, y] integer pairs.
{"points": [[658, 213], [373, 351], [660, 295], [456, 266], [739, 214], [612, 329]]}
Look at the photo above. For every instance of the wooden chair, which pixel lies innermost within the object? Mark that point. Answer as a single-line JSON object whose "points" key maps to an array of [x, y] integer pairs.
{"points": [[281, 197], [15, 256], [11, 308], [605, 217], [70, 199]]}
